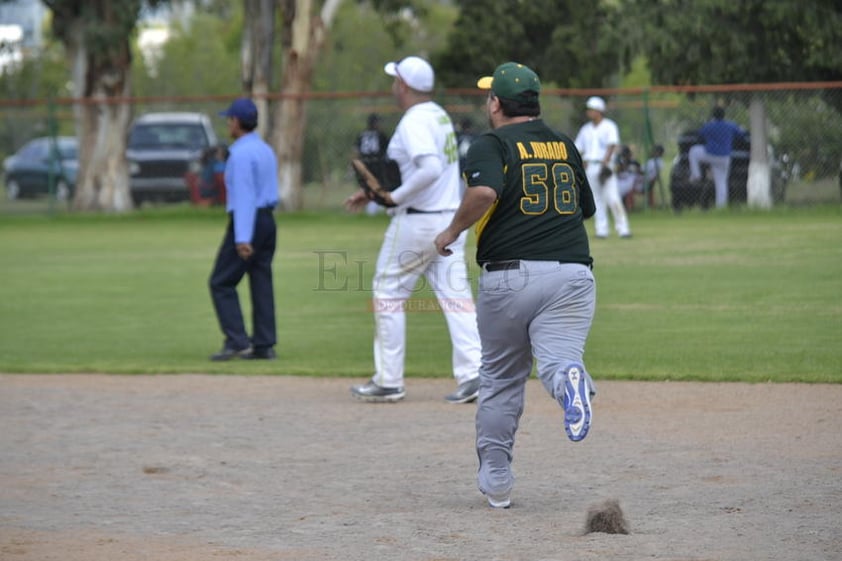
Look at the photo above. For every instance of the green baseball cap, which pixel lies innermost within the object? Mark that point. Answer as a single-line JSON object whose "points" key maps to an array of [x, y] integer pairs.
{"points": [[512, 80]]}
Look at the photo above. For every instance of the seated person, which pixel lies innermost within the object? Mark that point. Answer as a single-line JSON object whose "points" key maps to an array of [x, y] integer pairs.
{"points": [[212, 173]]}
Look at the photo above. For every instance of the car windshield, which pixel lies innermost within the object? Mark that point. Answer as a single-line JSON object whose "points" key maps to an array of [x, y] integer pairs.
{"points": [[35, 150], [168, 135], [42, 148]]}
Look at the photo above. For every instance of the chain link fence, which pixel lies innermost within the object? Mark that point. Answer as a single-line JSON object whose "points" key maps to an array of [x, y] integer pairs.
{"points": [[803, 124]]}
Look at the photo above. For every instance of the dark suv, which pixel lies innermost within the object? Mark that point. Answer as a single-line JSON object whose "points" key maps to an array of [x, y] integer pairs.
{"points": [[162, 148], [684, 194]]}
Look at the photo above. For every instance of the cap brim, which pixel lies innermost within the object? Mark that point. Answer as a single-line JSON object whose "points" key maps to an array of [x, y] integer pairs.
{"points": [[484, 83], [391, 69]]}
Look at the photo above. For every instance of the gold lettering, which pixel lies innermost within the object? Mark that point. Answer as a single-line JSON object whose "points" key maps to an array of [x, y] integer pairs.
{"points": [[543, 151]]}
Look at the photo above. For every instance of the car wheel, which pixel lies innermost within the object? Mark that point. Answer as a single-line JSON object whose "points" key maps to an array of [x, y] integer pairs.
{"points": [[62, 191], [12, 190]]}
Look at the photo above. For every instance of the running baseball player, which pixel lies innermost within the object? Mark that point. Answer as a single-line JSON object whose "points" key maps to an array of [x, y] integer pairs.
{"points": [[424, 146], [597, 141], [529, 195]]}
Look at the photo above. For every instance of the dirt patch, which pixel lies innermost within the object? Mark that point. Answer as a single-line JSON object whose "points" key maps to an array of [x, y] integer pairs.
{"points": [[194, 467]]}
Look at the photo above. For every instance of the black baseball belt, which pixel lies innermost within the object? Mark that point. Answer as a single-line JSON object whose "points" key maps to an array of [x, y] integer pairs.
{"points": [[411, 210], [492, 266]]}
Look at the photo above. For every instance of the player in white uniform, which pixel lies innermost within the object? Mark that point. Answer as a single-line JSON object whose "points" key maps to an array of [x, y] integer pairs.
{"points": [[424, 146], [597, 140]]}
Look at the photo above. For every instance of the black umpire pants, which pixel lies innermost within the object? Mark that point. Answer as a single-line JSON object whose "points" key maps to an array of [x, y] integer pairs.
{"points": [[227, 273]]}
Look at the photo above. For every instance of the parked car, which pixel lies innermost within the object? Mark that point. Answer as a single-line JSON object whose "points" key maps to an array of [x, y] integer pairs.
{"points": [[28, 172], [162, 148], [685, 194]]}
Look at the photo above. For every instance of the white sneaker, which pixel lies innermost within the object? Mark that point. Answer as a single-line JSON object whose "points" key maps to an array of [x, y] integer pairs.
{"points": [[499, 501]]}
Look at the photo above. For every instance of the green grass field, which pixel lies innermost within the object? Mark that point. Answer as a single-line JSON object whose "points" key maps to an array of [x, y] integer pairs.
{"points": [[737, 295]]}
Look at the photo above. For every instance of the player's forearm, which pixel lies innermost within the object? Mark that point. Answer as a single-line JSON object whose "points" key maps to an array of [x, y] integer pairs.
{"points": [[429, 169], [475, 204]]}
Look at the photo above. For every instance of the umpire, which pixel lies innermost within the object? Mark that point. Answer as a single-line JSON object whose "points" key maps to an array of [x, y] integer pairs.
{"points": [[251, 183], [528, 191]]}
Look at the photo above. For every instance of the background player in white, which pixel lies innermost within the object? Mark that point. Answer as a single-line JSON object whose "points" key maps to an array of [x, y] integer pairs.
{"points": [[424, 146], [597, 140]]}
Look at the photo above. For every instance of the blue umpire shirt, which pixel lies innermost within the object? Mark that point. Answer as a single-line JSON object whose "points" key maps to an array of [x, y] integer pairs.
{"points": [[251, 183], [719, 136]]}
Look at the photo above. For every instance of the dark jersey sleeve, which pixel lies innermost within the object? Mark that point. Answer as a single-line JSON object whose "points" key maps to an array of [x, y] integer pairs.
{"points": [[485, 164], [585, 193]]}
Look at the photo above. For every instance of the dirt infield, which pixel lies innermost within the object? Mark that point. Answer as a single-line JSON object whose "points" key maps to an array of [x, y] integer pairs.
{"points": [[198, 468]]}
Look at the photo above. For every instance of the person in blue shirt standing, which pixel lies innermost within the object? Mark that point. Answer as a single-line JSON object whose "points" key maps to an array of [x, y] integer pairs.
{"points": [[251, 183], [718, 136]]}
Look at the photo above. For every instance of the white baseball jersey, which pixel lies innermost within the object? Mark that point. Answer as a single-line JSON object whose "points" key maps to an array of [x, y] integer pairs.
{"points": [[426, 130], [408, 253], [593, 141]]}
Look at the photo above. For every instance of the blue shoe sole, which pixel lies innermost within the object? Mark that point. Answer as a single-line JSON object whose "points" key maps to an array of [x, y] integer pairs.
{"points": [[577, 403]]}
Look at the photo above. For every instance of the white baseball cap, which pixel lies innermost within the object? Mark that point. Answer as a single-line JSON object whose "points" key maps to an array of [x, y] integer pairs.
{"points": [[596, 103], [414, 71]]}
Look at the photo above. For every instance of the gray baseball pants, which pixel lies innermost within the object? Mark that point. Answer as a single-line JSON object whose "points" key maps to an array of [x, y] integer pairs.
{"points": [[544, 310]]}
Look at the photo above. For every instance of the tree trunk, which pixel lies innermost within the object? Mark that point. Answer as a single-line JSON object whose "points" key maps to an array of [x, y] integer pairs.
{"points": [[101, 127], [759, 188], [303, 37], [256, 57]]}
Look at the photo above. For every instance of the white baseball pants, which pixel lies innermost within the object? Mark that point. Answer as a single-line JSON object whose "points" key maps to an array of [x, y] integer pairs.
{"points": [[606, 197], [406, 255]]}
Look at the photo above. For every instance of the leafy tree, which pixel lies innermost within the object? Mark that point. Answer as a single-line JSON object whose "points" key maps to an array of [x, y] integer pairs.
{"points": [[96, 36], [750, 41], [305, 30], [569, 43], [201, 58], [35, 78], [358, 46], [400, 17]]}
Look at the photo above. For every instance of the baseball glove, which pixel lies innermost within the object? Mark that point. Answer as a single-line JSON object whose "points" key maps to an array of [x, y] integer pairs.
{"points": [[604, 174], [369, 183]]}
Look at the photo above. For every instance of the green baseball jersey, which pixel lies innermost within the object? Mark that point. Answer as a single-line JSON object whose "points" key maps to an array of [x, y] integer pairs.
{"points": [[543, 195]]}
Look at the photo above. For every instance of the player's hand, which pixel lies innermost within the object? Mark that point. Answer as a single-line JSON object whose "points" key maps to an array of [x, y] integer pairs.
{"points": [[369, 183], [245, 251], [385, 199], [356, 202], [443, 240]]}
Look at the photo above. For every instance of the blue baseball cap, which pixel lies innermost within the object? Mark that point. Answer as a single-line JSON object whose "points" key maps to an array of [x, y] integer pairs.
{"points": [[242, 109]]}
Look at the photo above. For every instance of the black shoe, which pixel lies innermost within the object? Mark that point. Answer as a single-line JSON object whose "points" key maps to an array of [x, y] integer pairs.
{"points": [[465, 393], [262, 353], [227, 353]]}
